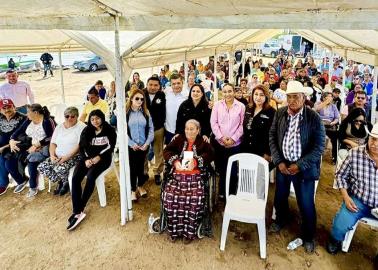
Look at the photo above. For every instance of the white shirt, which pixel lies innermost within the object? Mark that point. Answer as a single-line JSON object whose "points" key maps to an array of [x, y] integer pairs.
{"points": [[19, 93], [173, 102], [66, 139], [36, 132]]}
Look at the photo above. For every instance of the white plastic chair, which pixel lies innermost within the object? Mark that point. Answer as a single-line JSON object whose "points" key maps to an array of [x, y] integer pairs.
{"points": [[100, 182], [40, 181], [246, 205], [349, 235], [57, 110]]}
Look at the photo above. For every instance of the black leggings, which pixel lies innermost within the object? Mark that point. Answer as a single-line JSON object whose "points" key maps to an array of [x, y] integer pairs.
{"points": [[136, 161], [79, 198]]}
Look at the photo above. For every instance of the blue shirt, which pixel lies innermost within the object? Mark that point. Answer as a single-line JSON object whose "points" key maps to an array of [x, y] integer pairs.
{"points": [[137, 126]]}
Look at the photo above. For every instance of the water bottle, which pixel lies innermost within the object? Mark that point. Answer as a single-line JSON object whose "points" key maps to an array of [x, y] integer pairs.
{"points": [[294, 244], [151, 220]]}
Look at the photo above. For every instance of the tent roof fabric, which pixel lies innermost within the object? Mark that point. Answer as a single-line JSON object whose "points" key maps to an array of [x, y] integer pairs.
{"points": [[95, 15]]}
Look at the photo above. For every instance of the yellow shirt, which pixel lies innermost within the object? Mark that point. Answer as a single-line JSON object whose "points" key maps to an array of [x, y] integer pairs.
{"points": [[100, 105]]}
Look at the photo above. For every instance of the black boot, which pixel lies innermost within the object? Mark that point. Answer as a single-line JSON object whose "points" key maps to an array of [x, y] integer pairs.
{"points": [[65, 188], [58, 187], [333, 246]]}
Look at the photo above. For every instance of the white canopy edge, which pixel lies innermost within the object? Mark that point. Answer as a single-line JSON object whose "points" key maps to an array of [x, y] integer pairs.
{"points": [[349, 19]]}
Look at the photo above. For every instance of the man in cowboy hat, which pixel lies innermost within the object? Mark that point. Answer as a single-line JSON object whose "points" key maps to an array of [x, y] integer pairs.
{"points": [[297, 140], [357, 181]]}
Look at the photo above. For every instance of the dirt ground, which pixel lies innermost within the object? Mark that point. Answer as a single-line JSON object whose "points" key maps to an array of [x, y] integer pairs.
{"points": [[34, 236]]}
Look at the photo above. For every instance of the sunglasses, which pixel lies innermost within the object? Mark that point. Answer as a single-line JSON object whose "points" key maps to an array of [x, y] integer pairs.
{"points": [[361, 98], [138, 98], [359, 121], [69, 116]]}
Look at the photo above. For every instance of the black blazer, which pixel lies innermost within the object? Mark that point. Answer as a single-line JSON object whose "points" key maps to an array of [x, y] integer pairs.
{"points": [[256, 131], [201, 113], [156, 108]]}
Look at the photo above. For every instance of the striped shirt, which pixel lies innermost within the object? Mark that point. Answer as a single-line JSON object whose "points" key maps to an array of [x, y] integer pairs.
{"points": [[291, 146], [359, 175]]}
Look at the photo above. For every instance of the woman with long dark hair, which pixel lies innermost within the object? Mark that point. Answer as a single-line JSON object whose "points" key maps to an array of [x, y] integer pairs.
{"points": [[258, 118], [96, 147], [31, 143], [195, 107], [140, 129]]}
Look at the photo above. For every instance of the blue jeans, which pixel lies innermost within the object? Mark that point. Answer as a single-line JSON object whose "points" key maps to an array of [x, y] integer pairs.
{"points": [[33, 174], [345, 219], [9, 166], [304, 192]]}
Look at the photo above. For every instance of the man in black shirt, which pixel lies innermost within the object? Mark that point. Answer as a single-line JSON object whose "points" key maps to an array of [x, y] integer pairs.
{"points": [[155, 101], [46, 59]]}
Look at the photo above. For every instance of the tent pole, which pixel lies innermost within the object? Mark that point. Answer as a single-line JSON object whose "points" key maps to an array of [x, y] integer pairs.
{"points": [[186, 71], [230, 67], [122, 131], [374, 96], [330, 67], [344, 68], [61, 76], [215, 77], [243, 63]]}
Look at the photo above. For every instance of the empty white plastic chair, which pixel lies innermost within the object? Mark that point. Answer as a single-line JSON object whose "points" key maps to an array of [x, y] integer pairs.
{"points": [[100, 182], [349, 235], [249, 203], [57, 110]]}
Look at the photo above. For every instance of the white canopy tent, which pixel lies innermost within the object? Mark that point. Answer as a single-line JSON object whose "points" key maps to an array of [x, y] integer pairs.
{"points": [[147, 15], [225, 26]]}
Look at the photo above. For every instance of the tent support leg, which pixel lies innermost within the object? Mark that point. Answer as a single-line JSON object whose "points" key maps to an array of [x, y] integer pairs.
{"points": [[61, 77]]}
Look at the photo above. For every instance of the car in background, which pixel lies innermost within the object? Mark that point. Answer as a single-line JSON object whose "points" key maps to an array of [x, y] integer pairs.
{"points": [[270, 50], [92, 63]]}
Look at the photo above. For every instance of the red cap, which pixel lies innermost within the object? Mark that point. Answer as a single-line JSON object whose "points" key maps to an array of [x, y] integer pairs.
{"points": [[6, 102], [334, 78]]}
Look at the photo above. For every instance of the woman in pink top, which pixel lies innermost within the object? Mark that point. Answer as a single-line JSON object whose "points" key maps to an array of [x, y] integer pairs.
{"points": [[227, 126]]}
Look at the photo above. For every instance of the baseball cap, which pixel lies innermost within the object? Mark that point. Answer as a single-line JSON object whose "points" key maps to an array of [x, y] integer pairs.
{"points": [[6, 102]]}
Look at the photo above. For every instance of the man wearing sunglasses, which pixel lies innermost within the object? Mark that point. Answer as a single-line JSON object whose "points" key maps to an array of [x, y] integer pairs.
{"points": [[10, 120], [360, 100]]}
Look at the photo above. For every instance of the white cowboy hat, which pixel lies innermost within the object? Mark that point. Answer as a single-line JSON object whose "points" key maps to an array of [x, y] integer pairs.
{"points": [[295, 87], [374, 130]]}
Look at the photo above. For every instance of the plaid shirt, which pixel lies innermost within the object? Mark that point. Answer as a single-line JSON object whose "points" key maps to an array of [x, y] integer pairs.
{"points": [[291, 146], [359, 175]]}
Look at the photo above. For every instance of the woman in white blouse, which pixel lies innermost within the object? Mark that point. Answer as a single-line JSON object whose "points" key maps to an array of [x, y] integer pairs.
{"points": [[64, 148]]}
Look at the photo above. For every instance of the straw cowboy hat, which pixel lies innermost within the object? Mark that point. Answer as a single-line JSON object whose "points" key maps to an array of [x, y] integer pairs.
{"points": [[295, 87], [374, 130]]}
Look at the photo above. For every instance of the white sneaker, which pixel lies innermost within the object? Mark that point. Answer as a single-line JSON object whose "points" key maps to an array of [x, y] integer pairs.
{"points": [[32, 192], [374, 212], [133, 196], [142, 192]]}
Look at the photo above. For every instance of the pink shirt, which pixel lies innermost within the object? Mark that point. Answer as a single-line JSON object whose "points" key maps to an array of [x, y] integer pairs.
{"points": [[227, 122], [18, 93]]}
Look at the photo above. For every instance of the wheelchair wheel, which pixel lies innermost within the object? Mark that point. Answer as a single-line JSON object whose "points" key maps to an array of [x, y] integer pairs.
{"points": [[200, 234], [156, 225]]}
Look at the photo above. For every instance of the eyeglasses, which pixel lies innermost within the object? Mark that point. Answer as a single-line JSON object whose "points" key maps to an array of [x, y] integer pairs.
{"points": [[254, 78], [361, 98], [138, 98], [69, 116], [359, 122]]}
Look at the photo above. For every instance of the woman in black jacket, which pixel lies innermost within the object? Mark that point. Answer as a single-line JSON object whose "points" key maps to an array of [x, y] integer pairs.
{"points": [[258, 118], [195, 107], [96, 147]]}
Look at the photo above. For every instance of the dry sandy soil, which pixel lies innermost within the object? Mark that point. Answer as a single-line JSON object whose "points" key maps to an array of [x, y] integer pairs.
{"points": [[33, 231]]}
